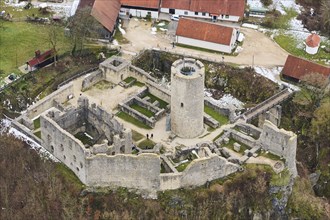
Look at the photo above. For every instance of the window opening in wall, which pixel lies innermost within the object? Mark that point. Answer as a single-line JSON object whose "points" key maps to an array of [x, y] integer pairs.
{"points": [[227, 16], [181, 104], [77, 168], [74, 158], [203, 13], [64, 157], [52, 148], [185, 13], [81, 165], [196, 13], [62, 148]]}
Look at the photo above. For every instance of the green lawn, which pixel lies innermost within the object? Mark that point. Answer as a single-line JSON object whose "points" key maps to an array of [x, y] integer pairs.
{"points": [[182, 166], [146, 144], [230, 145], [38, 134], [36, 123], [129, 79], [138, 83], [84, 138], [162, 103], [130, 119], [19, 41], [290, 44], [142, 110], [136, 136], [217, 116]]}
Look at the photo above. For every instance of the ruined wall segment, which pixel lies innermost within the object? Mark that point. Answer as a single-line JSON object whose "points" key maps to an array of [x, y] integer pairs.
{"points": [[138, 172], [187, 98], [280, 142]]}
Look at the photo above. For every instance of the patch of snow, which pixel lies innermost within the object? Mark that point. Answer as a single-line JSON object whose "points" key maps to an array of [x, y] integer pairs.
{"points": [[87, 135], [161, 24], [227, 101], [153, 30], [252, 26], [163, 29], [115, 42], [274, 75], [5, 126], [121, 29], [255, 3], [280, 5]]}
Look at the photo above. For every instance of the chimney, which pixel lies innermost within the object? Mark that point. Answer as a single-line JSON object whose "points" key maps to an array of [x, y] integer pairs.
{"points": [[37, 53]]}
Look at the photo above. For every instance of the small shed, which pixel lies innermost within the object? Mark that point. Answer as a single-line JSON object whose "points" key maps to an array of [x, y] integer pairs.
{"points": [[312, 43], [41, 59]]}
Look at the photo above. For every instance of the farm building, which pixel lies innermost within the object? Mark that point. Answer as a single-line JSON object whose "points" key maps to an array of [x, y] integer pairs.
{"points": [[140, 8], [106, 13], [296, 68], [41, 60], [223, 10], [312, 43], [206, 35]]}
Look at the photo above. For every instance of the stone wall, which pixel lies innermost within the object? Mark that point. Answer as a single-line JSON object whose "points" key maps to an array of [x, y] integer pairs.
{"points": [[140, 74], [139, 116], [159, 91], [244, 139], [223, 111], [61, 95], [198, 172], [64, 146], [280, 142], [92, 79], [138, 172], [249, 129]]}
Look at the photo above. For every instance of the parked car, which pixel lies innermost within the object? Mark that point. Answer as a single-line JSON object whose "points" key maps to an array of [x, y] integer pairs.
{"points": [[175, 17]]}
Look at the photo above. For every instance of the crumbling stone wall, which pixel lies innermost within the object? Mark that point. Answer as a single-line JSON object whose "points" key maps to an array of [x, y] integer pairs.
{"points": [[64, 146], [280, 142], [273, 115], [61, 95], [92, 79], [198, 172]]}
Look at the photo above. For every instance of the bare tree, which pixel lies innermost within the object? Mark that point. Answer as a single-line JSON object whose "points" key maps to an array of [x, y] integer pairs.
{"points": [[82, 27], [53, 39]]}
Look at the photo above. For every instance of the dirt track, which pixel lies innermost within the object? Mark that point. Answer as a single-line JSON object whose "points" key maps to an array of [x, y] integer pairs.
{"points": [[257, 47]]}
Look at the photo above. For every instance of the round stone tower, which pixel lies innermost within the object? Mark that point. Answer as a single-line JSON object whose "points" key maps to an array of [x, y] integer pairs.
{"points": [[187, 98]]}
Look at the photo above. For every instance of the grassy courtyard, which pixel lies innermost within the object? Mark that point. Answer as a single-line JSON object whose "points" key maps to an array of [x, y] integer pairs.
{"points": [[19, 41], [217, 116]]}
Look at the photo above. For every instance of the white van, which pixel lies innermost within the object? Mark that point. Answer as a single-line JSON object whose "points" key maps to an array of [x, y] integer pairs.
{"points": [[175, 17]]}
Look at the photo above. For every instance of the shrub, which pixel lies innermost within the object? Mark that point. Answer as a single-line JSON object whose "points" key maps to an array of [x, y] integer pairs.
{"points": [[266, 3]]}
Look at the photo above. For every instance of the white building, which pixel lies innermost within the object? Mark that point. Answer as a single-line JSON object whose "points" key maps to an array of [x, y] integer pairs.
{"points": [[312, 43], [216, 10], [140, 8], [206, 35]]}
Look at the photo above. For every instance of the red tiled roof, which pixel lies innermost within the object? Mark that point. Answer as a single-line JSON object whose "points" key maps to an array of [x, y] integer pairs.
{"points": [[204, 31], [218, 7], [106, 12], [296, 67], [313, 40], [41, 58], [177, 4], [141, 3]]}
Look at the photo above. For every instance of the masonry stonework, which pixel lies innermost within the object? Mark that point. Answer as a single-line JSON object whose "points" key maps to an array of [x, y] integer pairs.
{"points": [[187, 98]]}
